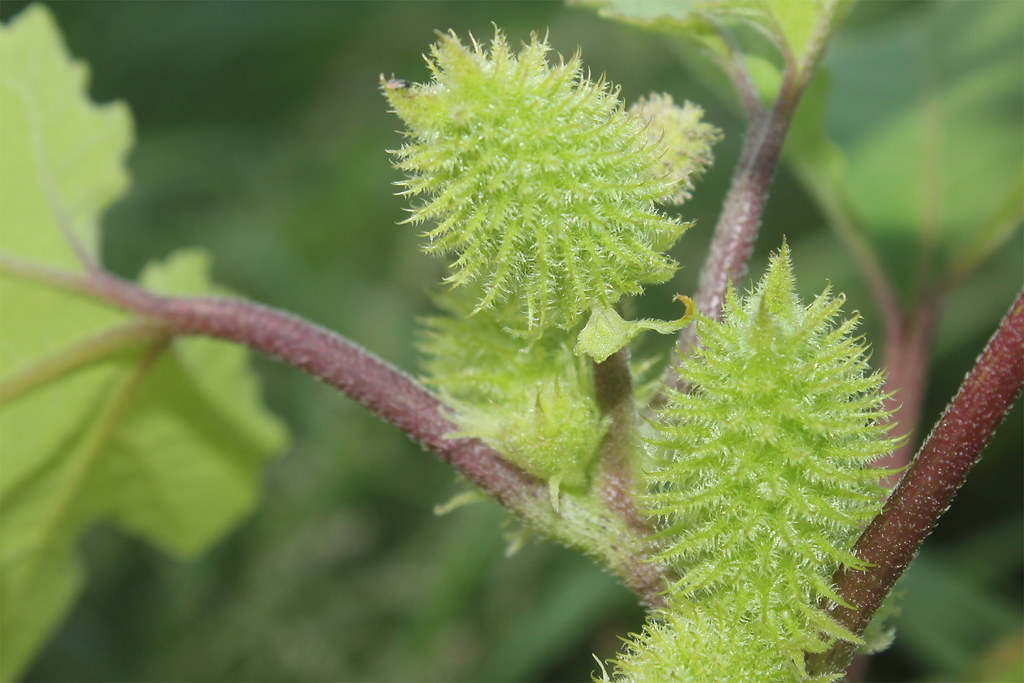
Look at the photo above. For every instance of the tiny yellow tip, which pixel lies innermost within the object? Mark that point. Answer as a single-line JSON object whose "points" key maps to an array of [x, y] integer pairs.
{"points": [[691, 306]]}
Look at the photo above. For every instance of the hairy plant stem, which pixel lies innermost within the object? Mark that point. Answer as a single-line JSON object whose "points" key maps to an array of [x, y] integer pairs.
{"points": [[908, 346], [744, 204], [613, 388], [740, 219], [378, 386], [893, 538], [604, 533]]}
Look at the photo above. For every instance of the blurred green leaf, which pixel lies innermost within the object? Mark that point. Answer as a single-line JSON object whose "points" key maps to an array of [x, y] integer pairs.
{"points": [[1003, 662], [56, 144], [946, 616], [820, 163], [932, 178], [101, 418], [723, 27]]}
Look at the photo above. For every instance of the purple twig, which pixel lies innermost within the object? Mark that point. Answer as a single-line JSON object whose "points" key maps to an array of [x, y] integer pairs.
{"points": [[908, 347], [737, 226], [390, 394], [740, 219], [893, 538], [377, 385]]}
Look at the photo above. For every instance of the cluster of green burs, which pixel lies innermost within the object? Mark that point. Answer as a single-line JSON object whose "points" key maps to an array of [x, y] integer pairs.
{"points": [[549, 195]]}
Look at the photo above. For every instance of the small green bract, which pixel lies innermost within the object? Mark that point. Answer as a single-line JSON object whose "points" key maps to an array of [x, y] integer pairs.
{"points": [[540, 183]]}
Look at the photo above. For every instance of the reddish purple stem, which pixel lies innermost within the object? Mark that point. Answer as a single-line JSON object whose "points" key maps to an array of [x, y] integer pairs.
{"points": [[388, 393], [740, 219], [741, 216], [893, 538], [908, 352], [380, 387]]}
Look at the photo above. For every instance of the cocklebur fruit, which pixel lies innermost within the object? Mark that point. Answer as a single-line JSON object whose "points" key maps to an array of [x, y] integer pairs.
{"points": [[535, 178], [534, 403], [764, 480], [684, 138]]}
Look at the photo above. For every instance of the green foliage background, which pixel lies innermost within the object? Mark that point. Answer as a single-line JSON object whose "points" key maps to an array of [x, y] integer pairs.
{"points": [[261, 137]]}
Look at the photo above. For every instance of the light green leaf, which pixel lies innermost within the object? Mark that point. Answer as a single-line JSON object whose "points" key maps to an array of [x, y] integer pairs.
{"points": [[695, 22], [55, 144], [796, 23], [606, 332], [928, 111], [818, 162], [103, 418]]}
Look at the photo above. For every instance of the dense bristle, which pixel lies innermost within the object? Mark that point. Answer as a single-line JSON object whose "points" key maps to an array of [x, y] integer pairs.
{"points": [[535, 179], [765, 478]]}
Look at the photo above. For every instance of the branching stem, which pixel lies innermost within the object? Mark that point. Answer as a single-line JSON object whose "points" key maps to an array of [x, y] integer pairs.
{"points": [[378, 386], [389, 393], [740, 219], [893, 538]]}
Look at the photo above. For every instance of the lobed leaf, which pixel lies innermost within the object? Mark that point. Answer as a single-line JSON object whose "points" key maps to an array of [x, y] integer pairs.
{"points": [[767, 36], [103, 417]]}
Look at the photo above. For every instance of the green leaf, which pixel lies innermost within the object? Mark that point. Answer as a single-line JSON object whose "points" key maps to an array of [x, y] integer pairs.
{"points": [[928, 112], [56, 144], [772, 35], [795, 24], [103, 417]]}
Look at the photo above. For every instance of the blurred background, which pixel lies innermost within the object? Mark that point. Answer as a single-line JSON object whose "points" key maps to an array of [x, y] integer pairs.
{"points": [[261, 136]]}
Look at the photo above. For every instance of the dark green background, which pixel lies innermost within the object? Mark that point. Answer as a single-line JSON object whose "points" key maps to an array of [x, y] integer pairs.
{"points": [[262, 137]]}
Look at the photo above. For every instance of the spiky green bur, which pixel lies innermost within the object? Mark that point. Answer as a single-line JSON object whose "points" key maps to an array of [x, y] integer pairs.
{"points": [[539, 182], [533, 403], [687, 643], [684, 138], [765, 481]]}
